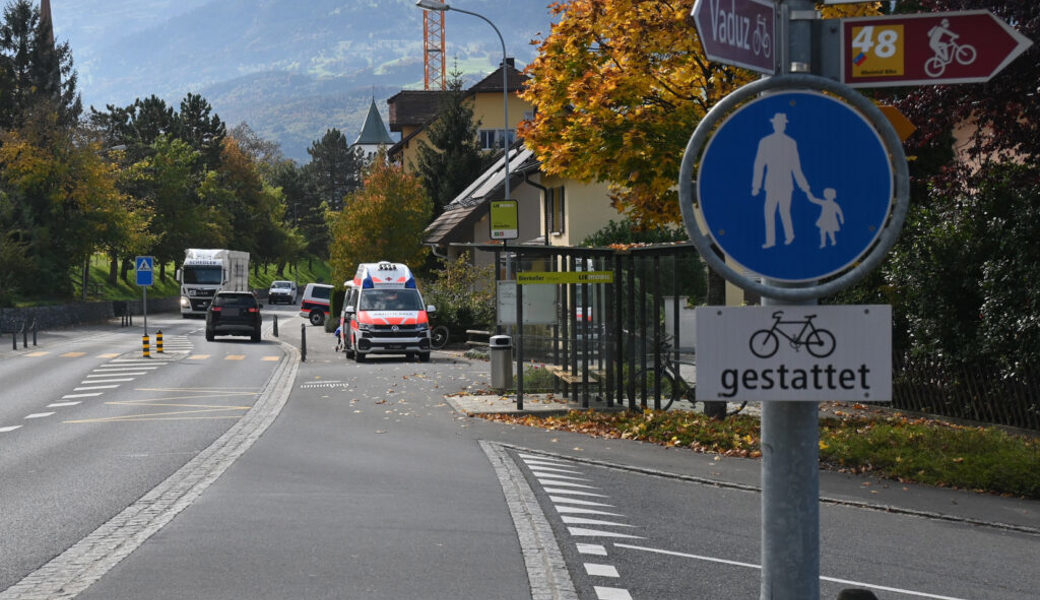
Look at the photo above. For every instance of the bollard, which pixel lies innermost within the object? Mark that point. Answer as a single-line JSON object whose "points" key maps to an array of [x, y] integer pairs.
{"points": [[158, 341], [145, 347], [303, 342], [25, 334], [275, 326], [34, 328], [14, 340]]}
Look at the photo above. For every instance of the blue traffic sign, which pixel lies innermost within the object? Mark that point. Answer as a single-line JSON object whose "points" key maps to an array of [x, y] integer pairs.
{"points": [[795, 186], [145, 266]]}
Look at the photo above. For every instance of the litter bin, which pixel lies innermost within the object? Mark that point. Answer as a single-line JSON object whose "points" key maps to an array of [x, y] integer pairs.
{"points": [[501, 362]]}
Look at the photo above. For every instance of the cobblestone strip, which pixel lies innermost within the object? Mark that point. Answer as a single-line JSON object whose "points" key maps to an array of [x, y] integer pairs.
{"points": [[546, 569], [86, 562]]}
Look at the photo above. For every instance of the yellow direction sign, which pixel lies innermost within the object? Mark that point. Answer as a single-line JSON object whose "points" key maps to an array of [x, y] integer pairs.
{"points": [[530, 278]]}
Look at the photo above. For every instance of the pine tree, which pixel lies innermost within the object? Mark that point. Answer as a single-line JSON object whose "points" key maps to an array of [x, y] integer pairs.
{"points": [[335, 168], [453, 157]]}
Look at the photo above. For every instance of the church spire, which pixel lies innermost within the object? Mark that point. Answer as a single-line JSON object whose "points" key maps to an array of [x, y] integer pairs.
{"points": [[45, 20]]}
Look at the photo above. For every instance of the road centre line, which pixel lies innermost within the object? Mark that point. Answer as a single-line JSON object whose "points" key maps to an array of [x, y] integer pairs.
{"points": [[759, 567]]}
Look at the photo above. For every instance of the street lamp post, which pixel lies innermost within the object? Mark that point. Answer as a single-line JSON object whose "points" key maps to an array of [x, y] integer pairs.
{"points": [[443, 6]]}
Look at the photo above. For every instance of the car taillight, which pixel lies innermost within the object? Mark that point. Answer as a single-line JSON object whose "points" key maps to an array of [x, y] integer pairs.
{"points": [[216, 309], [254, 309]]}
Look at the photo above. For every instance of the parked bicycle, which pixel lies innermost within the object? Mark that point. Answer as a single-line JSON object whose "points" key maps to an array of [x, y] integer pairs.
{"points": [[673, 385], [819, 342], [439, 336]]}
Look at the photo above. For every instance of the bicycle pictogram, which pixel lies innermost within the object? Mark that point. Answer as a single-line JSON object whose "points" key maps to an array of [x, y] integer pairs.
{"points": [[943, 42], [760, 40], [818, 341]]}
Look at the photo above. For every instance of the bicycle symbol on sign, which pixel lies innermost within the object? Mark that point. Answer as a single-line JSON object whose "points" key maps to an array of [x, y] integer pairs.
{"points": [[943, 42], [760, 41], [819, 342]]}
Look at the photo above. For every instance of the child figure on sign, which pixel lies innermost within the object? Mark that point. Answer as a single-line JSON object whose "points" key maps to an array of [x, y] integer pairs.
{"points": [[831, 218]]}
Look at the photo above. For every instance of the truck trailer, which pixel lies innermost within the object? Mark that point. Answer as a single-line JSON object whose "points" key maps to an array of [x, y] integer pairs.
{"points": [[208, 271]]}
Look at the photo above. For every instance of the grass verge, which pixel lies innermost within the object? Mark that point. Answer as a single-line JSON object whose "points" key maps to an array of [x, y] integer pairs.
{"points": [[984, 459]]}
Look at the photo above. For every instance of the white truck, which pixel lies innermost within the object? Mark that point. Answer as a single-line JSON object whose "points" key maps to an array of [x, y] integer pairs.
{"points": [[208, 271]]}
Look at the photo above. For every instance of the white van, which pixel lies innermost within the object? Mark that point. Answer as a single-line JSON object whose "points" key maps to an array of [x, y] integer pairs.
{"points": [[383, 313], [314, 305]]}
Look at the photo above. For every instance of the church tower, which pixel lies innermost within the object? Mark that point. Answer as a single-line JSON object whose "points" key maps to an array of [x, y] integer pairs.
{"points": [[373, 134]]}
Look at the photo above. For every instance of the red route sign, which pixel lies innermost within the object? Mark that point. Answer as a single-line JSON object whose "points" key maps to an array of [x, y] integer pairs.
{"points": [[927, 49]]}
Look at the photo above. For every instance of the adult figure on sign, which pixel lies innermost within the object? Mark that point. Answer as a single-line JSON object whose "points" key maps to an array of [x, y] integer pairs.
{"points": [[777, 160]]}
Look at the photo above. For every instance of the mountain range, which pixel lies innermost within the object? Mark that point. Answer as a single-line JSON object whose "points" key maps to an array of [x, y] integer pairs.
{"points": [[290, 69]]}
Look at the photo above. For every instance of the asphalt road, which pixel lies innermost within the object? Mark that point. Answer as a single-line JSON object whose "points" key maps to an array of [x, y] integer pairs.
{"points": [[351, 480]]}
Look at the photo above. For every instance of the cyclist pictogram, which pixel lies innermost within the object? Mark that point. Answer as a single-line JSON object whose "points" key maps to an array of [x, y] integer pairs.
{"points": [[819, 342], [943, 42]]}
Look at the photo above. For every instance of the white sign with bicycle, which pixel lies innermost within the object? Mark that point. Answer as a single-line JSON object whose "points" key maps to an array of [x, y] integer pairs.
{"points": [[812, 353]]}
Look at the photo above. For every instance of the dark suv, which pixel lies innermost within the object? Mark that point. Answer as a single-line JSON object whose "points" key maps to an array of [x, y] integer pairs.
{"points": [[233, 313]]}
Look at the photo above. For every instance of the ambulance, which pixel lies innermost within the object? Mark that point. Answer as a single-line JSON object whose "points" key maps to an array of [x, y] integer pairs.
{"points": [[383, 313]]}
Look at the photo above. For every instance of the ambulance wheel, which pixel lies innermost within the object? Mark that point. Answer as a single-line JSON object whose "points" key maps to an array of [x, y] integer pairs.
{"points": [[359, 356], [317, 317]]}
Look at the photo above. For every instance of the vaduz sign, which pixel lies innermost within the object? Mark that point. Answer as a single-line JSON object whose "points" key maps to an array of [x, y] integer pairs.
{"points": [[738, 32]]}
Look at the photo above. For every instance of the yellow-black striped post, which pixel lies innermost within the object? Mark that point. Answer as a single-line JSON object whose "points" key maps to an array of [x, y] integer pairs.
{"points": [[158, 341], [145, 347]]}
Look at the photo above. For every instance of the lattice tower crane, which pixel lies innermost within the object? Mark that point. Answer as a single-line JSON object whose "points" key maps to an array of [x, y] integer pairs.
{"points": [[433, 49]]}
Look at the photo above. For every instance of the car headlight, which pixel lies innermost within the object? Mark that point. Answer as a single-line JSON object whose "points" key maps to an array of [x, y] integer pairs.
{"points": [[364, 326], [422, 327], [185, 302]]}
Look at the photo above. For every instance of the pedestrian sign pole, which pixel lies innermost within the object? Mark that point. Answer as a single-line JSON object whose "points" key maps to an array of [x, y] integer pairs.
{"points": [[145, 267]]}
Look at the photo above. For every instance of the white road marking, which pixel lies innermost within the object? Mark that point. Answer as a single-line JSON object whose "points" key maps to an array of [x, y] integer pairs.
{"points": [[592, 549], [609, 593], [8, 429], [61, 404], [583, 532], [127, 368], [584, 521], [117, 380], [87, 395], [566, 484], [39, 415], [538, 467], [577, 510], [542, 475], [109, 374], [754, 566], [94, 387], [564, 500], [598, 570], [549, 490]]}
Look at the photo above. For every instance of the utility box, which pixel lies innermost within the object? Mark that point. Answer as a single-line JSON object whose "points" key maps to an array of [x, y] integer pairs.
{"points": [[501, 347]]}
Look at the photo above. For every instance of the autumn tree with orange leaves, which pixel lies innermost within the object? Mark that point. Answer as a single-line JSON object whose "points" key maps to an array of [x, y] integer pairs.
{"points": [[619, 86]]}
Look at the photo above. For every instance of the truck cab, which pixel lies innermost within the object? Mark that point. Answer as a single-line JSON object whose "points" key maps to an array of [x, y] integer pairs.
{"points": [[384, 313]]}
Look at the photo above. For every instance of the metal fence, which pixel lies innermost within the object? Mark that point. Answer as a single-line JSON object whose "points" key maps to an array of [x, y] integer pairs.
{"points": [[975, 394]]}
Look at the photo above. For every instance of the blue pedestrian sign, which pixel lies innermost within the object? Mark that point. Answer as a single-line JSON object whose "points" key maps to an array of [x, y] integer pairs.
{"points": [[145, 266], [795, 186]]}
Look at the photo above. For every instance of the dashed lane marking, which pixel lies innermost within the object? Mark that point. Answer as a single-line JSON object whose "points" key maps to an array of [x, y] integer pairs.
{"points": [[235, 357], [271, 358], [73, 354], [598, 570], [9, 428], [198, 357], [609, 593], [63, 404], [39, 415]]}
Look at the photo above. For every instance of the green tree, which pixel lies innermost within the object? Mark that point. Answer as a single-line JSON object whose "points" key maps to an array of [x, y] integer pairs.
{"points": [[203, 131], [36, 75], [383, 220], [453, 157], [335, 168]]}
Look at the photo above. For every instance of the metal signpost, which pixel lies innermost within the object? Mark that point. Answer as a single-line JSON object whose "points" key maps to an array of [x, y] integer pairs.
{"points": [[802, 183], [145, 267]]}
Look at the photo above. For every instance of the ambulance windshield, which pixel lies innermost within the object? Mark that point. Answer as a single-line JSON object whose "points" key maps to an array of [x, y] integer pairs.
{"points": [[392, 299]]}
